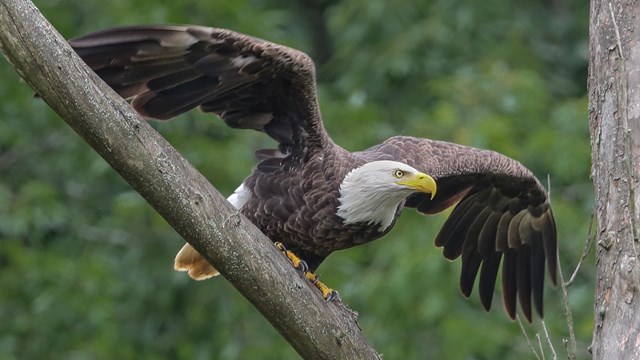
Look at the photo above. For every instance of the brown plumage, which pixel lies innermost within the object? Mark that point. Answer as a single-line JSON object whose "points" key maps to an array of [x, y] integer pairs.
{"points": [[295, 192]]}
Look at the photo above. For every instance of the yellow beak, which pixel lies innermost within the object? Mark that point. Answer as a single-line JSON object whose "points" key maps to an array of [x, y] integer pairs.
{"points": [[420, 182]]}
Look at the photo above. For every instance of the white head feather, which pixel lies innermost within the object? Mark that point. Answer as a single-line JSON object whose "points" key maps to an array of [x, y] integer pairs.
{"points": [[373, 192]]}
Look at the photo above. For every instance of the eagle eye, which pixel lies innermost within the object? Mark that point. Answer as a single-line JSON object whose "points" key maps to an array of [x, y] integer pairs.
{"points": [[398, 173]]}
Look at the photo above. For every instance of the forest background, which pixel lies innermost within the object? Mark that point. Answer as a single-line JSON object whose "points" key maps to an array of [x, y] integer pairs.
{"points": [[86, 264]]}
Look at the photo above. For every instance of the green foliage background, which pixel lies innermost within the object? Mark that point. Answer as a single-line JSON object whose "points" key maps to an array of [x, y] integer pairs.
{"points": [[86, 265]]}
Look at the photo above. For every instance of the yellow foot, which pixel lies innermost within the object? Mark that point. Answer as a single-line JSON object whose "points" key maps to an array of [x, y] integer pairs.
{"points": [[295, 260], [327, 293]]}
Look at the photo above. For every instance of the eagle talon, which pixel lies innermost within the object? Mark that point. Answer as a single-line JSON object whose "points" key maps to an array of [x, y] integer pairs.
{"points": [[280, 246], [295, 260], [327, 293], [333, 295], [303, 266]]}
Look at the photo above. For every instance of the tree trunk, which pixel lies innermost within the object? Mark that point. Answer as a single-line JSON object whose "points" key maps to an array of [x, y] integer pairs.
{"points": [[315, 328], [614, 96]]}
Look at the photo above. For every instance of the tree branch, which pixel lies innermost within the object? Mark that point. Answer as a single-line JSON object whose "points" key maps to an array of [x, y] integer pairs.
{"points": [[242, 254]]}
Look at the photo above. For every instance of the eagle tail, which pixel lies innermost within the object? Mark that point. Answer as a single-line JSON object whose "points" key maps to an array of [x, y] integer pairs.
{"points": [[190, 260]]}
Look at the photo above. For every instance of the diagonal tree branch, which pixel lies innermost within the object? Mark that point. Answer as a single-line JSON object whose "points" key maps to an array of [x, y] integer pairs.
{"points": [[242, 254]]}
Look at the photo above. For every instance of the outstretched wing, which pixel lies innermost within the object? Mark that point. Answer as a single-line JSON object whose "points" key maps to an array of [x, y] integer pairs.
{"points": [[250, 83], [502, 211]]}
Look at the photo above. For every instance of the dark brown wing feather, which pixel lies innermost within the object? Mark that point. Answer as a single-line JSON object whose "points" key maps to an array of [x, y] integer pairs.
{"points": [[502, 212], [250, 83]]}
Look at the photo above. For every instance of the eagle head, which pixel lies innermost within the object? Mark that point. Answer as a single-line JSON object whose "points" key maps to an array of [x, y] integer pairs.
{"points": [[374, 192]]}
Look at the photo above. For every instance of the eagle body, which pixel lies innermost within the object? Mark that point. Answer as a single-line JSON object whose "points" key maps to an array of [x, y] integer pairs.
{"points": [[312, 195], [297, 205]]}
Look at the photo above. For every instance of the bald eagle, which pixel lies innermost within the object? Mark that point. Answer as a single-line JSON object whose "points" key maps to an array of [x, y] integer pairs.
{"points": [[314, 197]]}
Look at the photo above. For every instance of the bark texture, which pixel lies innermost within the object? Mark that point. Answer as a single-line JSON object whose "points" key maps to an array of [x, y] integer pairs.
{"points": [[614, 96], [245, 257]]}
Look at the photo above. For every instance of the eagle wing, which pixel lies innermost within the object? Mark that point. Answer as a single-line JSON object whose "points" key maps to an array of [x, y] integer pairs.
{"points": [[250, 83], [502, 214]]}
